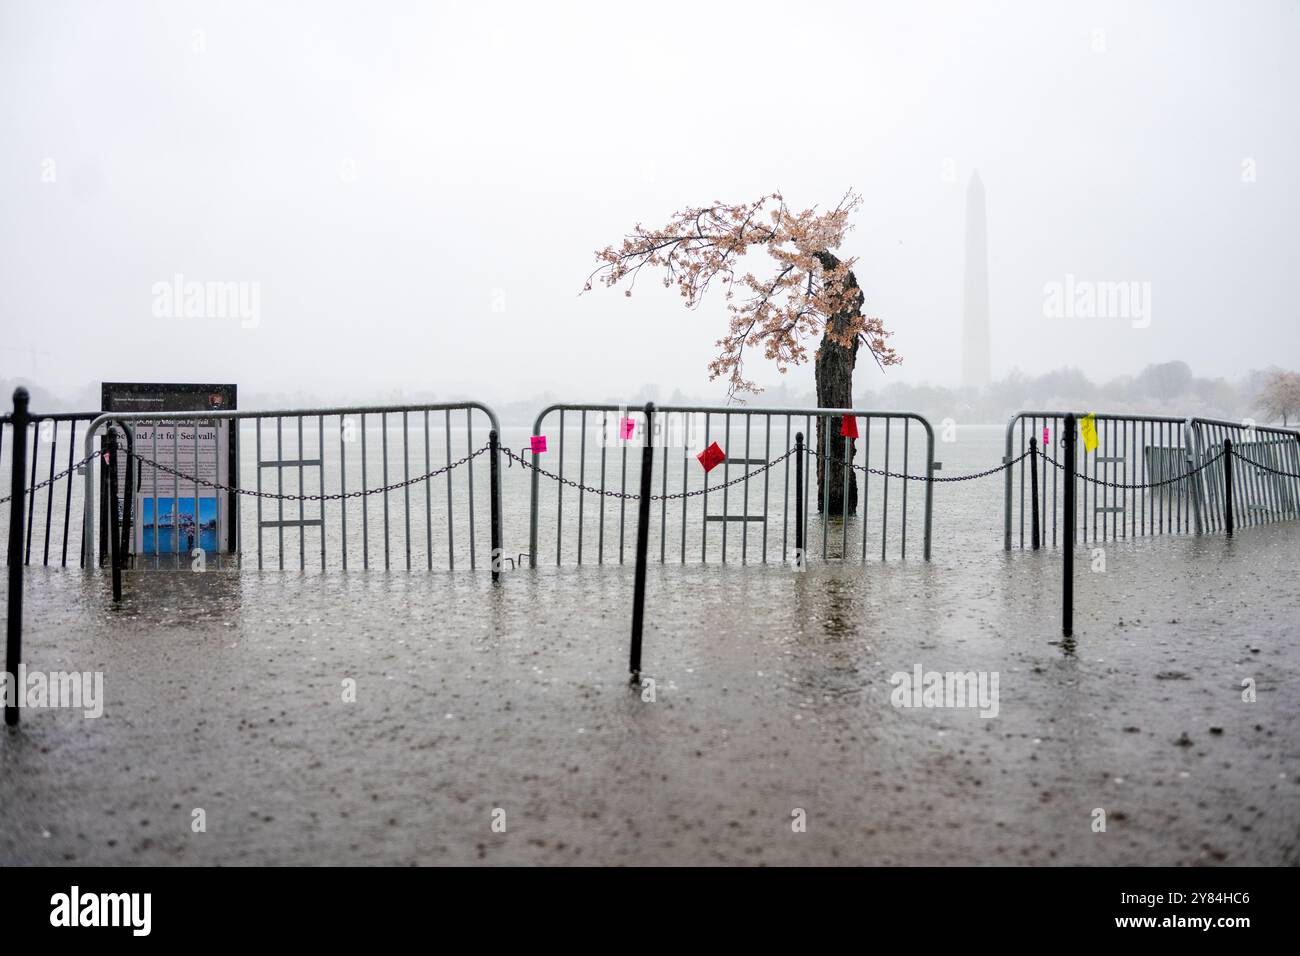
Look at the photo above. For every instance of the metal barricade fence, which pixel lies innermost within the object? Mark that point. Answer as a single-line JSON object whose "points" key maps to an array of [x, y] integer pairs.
{"points": [[1129, 485], [1265, 486], [312, 475], [752, 487], [51, 533]]}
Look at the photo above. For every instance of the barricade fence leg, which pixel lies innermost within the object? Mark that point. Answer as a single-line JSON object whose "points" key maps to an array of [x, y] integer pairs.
{"points": [[18, 494], [799, 552], [1033, 492], [642, 543], [1067, 584], [1228, 518], [114, 541]]}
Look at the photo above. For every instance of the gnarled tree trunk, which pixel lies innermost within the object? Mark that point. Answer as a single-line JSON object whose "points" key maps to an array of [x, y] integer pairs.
{"points": [[833, 368]]}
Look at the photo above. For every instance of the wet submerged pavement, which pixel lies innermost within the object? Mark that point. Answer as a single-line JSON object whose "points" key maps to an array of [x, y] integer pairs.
{"points": [[224, 693]]}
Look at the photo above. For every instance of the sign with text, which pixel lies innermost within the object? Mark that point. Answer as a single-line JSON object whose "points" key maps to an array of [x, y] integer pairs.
{"points": [[172, 512]]}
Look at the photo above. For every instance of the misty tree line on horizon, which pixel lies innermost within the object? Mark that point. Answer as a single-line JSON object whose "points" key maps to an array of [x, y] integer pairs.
{"points": [[1167, 387], [1154, 390]]}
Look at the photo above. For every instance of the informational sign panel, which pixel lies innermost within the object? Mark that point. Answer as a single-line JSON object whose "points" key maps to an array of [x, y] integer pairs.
{"points": [[171, 512]]}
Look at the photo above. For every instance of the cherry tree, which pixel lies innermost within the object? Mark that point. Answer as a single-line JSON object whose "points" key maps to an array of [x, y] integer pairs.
{"points": [[806, 293]]}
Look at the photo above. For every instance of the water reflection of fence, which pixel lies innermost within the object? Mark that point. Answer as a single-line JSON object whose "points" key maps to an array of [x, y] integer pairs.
{"points": [[758, 443], [1130, 485], [312, 474]]}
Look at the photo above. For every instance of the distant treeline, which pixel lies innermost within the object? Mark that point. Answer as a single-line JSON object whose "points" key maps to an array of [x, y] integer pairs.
{"points": [[1169, 388]]}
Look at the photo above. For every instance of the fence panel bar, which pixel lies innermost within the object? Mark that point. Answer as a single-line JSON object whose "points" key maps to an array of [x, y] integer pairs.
{"points": [[582, 477], [604, 460], [383, 450], [704, 507], [884, 501], [767, 472], [907, 423], [31, 492], [114, 534], [1021, 469], [663, 503], [807, 498], [67, 504], [845, 470], [428, 496], [686, 460], [49, 494], [559, 497], [744, 485], [622, 505], [343, 489], [825, 473], [365, 501], [406, 488], [785, 501], [320, 471], [451, 537], [302, 505], [798, 502], [726, 474], [866, 486]]}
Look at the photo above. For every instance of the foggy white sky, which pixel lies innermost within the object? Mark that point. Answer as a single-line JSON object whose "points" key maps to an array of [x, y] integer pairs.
{"points": [[495, 146]]}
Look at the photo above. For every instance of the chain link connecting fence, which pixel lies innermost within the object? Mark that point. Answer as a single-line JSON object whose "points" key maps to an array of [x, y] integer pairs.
{"points": [[338, 496]]}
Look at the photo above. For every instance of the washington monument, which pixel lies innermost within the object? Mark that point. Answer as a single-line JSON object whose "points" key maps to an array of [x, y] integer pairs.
{"points": [[975, 323]]}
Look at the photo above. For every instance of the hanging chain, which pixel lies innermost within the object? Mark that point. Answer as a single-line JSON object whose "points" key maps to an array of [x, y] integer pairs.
{"points": [[1244, 460], [910, 477], [629, 496], [53, 478], [1127, 487], [254, 493]]}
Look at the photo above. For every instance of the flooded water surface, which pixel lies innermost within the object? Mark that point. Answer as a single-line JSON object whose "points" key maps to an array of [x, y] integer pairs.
{"points": [[394, 717]]}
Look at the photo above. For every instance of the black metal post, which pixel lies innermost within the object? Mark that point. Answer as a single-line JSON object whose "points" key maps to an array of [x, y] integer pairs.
{"points": [[1227, 485], [798, 500], [494, 492], [114, 544], [18, 491], [1033, 491], [128, 499], [1067, 585], [642, 541]]}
